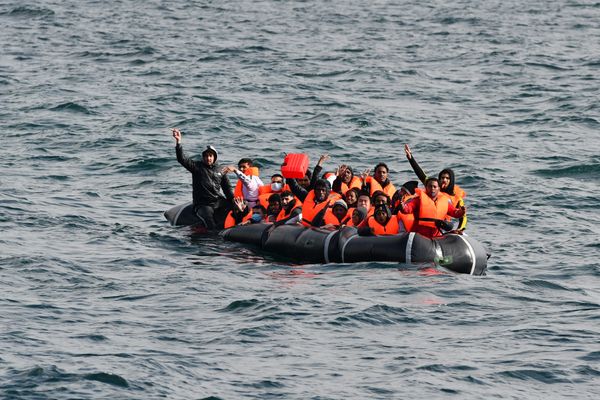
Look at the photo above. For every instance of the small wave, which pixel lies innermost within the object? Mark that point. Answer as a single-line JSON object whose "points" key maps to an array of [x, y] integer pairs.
{"points": [[240, 305], [28, 12], [321, 74], [72, 107], [547, 66], [544, 375], [586, 171]]}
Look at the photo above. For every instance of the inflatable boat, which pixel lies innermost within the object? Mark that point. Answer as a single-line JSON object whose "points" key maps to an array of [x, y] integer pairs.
{"points": [[458, 253]]}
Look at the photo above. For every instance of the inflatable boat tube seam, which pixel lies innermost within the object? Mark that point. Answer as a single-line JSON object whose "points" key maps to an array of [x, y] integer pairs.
{"points": [[409, 242], [471, 253], [346, 244], [326, 246]]}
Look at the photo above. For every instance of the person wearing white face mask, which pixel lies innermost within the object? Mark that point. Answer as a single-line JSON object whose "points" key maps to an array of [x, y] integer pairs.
{"points": [[276, 186]]}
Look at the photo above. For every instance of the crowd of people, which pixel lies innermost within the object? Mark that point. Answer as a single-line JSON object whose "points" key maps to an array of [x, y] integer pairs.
{"points": [[325, 199]]}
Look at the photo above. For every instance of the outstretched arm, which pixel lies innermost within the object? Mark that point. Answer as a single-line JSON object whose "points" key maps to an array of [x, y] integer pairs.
{"points": [[298, 191], [184, 160], [415, 165]]}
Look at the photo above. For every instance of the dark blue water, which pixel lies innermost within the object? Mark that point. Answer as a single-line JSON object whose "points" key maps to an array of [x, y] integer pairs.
{"points": [[101, 298]]}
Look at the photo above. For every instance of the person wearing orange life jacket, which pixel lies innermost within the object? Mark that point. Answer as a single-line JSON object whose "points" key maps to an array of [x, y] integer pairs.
{"points": [[345, 180], [430, 209], [381, 223], [379, 180], [364, 201], [248, 180], [359, 214], [314, 202], [273, 208], [291, 209], [276, 186], [407, 191], [239, 214], [336, 216], [447, 185]]}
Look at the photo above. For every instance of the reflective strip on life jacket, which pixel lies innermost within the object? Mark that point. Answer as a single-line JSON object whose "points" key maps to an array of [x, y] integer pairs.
{"points": [[431, 211]]}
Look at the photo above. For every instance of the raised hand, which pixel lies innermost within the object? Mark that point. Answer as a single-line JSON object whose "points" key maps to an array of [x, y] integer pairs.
{"points": [[407, 151], [322, 159], [176, 134]]}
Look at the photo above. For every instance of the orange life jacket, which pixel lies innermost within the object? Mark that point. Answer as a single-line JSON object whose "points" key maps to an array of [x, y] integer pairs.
{"points": [[310, 209], [238, 192], [283, 215], [356, 182], [408, 220], [265, 191], [459, 194], [389, 189], [230, 220], [391, 228], [430, 211], [330, 218]]}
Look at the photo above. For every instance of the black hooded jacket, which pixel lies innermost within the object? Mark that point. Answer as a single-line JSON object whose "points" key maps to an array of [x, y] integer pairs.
{"points": [[207, 181]]}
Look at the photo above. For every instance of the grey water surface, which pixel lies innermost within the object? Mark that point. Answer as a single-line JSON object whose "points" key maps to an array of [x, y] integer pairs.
{"points": [[102, 299]]}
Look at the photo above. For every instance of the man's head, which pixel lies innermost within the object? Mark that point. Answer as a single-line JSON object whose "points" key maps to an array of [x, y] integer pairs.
{"points": [[446, 178], [244, 164], [258, 213], [305, 181], [209, 155], [322, 189], [351, 196], [380, 173], [347, 175], [276, 182], [274, 204], [432, 187], [286, 198], [364, 200], [380, 198], [382, 214]]}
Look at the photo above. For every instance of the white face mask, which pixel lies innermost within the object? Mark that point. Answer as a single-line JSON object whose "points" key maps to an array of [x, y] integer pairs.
{"points": [[276, 186]]}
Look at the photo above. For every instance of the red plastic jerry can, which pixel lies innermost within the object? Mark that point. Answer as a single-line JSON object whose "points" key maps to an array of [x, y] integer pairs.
{"points": [[294, 165]]}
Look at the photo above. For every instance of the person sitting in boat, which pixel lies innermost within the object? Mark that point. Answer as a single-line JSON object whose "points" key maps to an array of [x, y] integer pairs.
{"points": [[382, 222], [379, 180], [211, 190], [273, 208], [359, 214], [248, 180], [430, 209], [380, 198], [239, 214], [407, 191], [447, 185], [305, 181], [336, 216], [276, 186], [291, 209], [259, 214], [345, 180], [315, 201]]}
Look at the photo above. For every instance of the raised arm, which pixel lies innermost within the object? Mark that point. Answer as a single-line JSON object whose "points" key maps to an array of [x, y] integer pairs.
{"points": [[415, 165], [298, 191], [184, 160]]}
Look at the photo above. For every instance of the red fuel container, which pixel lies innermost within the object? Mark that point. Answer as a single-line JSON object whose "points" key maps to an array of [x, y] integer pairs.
{"points": [[294, 165]]}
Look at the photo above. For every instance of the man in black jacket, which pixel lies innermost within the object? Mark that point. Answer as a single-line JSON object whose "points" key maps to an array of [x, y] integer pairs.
{"points": [[207, 182]]}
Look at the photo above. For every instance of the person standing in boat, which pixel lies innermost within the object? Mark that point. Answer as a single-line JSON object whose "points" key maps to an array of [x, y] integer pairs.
{"points": [[211, 190], [430, 209]]}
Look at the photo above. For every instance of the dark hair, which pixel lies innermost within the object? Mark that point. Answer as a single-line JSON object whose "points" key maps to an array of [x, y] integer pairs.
{"points": [[378, 193], [363, 193], [323, 183], [285, 193], [450, 188], [277, 176], [381, 164], [432, 180], [308, 174], [245, 161], [260, 207], [275, 197]]}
